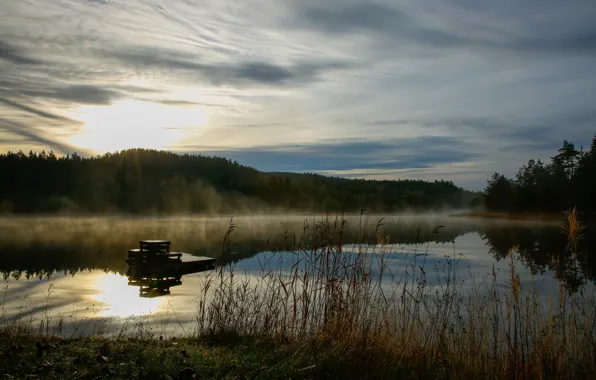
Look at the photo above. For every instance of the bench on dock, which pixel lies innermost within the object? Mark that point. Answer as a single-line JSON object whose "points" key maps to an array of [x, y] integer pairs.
{"points": [[142, 255], [160, 246]]}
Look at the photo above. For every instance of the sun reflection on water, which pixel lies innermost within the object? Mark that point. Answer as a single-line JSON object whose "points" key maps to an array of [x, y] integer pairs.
{"points": [[118, 299]]}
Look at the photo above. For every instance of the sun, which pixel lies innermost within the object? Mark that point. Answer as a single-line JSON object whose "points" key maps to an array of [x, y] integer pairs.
{"points": [[135, 124]]}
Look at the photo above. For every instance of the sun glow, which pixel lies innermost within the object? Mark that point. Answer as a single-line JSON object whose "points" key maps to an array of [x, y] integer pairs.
{"points": [[118, 299], [135, 124]]}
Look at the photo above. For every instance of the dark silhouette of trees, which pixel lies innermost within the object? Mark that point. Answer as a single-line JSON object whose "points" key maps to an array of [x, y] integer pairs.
{"points": [[569, 180], [149, 181], [500, 192]]}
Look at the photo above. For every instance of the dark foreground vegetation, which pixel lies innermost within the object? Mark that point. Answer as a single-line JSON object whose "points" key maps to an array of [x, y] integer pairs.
{"points": [[569, 180], [144, 181], [233, 357], [338, 312], [217, 357]]}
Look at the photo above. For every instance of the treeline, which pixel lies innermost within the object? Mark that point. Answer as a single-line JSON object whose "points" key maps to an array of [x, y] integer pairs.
{"points": [[146, 181], [569, 180]]}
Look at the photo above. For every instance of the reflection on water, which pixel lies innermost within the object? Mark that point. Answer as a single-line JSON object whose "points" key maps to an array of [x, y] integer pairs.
{"points": [[154, 278], [154, 286], [84, 259], [93, 301], [117, 299]]}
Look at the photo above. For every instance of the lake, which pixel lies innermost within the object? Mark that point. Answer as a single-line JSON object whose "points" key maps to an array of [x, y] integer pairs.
{"points": [[69, 275]]}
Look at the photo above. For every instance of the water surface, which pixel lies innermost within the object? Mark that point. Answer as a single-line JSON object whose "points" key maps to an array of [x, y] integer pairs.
{"points": [[74, 270]]}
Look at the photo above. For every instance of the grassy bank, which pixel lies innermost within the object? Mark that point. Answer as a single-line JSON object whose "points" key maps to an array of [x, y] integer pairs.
{"points": [[338, 311], [207, 358]]}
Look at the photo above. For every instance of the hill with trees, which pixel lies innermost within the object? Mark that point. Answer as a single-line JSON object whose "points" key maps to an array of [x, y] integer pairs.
{"points": [[151, 181], [569, 180]]}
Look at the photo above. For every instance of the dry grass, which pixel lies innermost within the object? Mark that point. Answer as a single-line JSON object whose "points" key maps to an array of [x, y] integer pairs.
{"points": [[573, 227], [350, 302], [344, 302]]}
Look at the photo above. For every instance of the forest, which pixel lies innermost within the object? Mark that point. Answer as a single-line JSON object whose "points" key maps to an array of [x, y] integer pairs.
{"points": [[150, 181], [568, 180]]}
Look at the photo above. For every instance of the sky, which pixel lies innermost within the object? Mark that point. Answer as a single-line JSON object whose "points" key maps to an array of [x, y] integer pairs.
{"points": [[449, 89]]}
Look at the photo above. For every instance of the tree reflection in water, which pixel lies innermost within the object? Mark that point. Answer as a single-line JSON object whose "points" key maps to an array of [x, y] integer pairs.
{"points": [[69, 248]]}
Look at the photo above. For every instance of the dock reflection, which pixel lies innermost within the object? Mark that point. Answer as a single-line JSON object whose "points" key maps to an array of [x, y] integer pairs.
{"points": [[154, 281]]}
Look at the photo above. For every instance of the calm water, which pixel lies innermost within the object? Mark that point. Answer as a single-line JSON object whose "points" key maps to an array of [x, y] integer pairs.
{"points": [[74, 268]]}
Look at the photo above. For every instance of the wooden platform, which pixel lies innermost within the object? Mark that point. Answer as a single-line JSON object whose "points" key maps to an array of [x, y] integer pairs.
{"points": [[139, 256], [154, 269], [182, 265]]}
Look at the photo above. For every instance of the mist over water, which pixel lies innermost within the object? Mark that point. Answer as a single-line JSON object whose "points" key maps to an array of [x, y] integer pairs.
{"points": [[74, 268]]}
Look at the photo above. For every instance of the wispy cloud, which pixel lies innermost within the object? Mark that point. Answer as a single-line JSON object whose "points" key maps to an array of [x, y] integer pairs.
{"points": [[14, 55], [387, 20], [32, 136], [226, 73], [367, 156]]}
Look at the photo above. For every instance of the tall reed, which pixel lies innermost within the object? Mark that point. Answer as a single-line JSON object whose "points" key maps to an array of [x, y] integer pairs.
{"points": [[347, 298]]}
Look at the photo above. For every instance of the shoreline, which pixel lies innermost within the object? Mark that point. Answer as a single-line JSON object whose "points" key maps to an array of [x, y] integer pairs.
{"points": [[509, 215]]}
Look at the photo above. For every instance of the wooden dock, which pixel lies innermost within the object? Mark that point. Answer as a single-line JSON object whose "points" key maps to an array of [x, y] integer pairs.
{"points": [[184, 264], [154, 269]]}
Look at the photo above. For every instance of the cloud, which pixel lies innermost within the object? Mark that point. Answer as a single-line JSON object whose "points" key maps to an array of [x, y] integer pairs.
{"points": [[468, 178], [32, 135], [269, 74], [240, 73], [398, 27], [83, 93], [421, 152], [579, 43], [80, 94], [40, 113], [540, 131], [14, 55], [379, 18]]}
